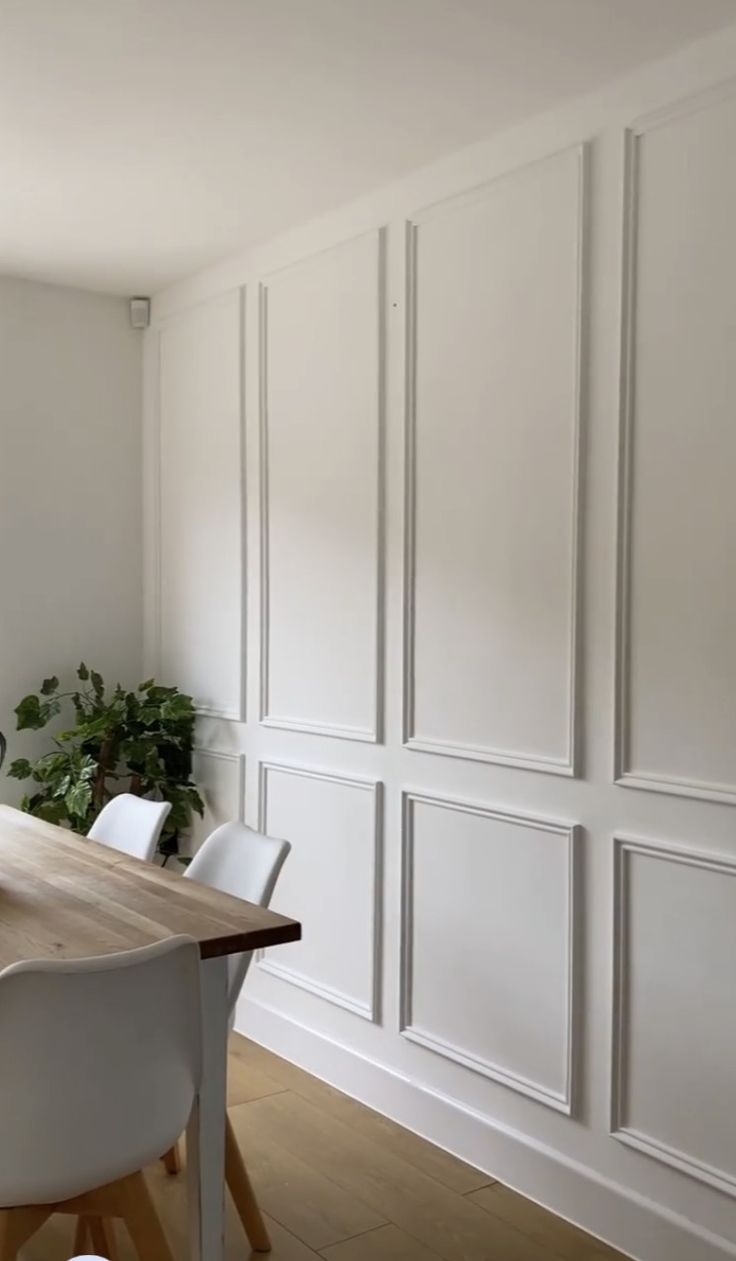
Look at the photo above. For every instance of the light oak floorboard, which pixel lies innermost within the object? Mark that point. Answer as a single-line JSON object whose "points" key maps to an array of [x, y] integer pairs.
{"points": [[387, 1243], [170, 1197], [247, 1081], [453, 1173], [554, 1233], [291, 1190], [447, 1223]]}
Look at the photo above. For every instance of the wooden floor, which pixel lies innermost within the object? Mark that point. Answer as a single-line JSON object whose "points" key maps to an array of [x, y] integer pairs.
{"points": [[341, 1183]]}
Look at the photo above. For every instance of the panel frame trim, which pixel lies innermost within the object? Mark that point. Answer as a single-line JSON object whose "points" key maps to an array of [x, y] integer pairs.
{"points": [[282, 722], [224, 755], [371, 1010], [564, 1101], [570, 765], [624, 774], [659, 1150]]}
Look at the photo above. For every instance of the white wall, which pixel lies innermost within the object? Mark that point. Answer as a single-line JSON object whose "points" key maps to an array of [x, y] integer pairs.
{"points": [[70, 497], [480, 672]]}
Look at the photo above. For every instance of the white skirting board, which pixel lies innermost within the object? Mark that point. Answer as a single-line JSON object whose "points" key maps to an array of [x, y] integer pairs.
{"points": [[616, 1214]]}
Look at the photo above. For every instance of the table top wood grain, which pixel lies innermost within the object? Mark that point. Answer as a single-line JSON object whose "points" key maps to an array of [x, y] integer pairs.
{"points": [[65, 897]]}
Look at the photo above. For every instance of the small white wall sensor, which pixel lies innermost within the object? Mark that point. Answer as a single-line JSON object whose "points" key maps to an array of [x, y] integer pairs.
{"points": [[140, 312]]}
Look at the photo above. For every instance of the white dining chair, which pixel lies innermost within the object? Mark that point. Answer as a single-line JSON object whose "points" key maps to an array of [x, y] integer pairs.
{"points": [[238, 860], [131, 824], [100, 1063]]}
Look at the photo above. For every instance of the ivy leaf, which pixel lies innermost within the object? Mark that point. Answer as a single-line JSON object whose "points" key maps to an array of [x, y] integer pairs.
{"points": [[64, 785], [157, 694], [88, 768], [98, 684], [30, 716], [87, 729], [49, 686], [50, 710], [176, 708], [195, 801], [49, 767], [50, 811], [78, 798], [179, 816], [146, 687], [135, 752], [3, 748], [20, 768], [83, 672]]}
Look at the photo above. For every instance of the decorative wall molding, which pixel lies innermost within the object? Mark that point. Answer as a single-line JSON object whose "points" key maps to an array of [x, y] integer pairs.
{"points": [[666, 1154], [227, 715], [222, 803], [374, 734], [237, 759], [565, 1100], [202, 710], [364, 734], [372, 1009], [683, 107], [327, 992], [155, 541], [623, 772], [569, 766], [242, 438]]}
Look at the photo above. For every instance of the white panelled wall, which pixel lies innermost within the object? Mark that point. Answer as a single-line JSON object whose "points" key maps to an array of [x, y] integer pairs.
{"points": [[441, 532]]}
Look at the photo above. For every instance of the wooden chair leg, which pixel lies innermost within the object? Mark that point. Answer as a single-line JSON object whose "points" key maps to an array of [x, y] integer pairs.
{"points": [[142, 1221], [81, 1235], [236, 1176], [172, 1160], [18, 1225], [8, 1246], [102, 1230], [99, 1233]]}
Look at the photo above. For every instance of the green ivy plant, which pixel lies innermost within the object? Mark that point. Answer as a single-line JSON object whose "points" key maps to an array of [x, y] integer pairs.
{"points": [[139, 742]]}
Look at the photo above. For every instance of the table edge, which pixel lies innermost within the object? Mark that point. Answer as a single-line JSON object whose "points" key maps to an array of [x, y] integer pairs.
{"points": [[250, 939]]}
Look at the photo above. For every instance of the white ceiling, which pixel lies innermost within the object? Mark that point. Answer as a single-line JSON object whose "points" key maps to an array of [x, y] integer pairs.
{"points": [[142, 139]]}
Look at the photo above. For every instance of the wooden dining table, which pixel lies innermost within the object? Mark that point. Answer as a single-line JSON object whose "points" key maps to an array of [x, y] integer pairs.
{"points": [[65, 897]]}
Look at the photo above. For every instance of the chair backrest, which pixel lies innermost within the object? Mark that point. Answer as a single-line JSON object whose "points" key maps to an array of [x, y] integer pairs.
{"points": [[131, 824], [237, 860], [100, 1062]]}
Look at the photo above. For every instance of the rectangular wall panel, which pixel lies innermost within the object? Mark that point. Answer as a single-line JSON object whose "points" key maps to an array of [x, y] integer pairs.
{"points": [[200, 522], [674, 1032], [488, 943], [220, 778], [492, 484], [676, 720], [321, 492], [330, 882]]}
